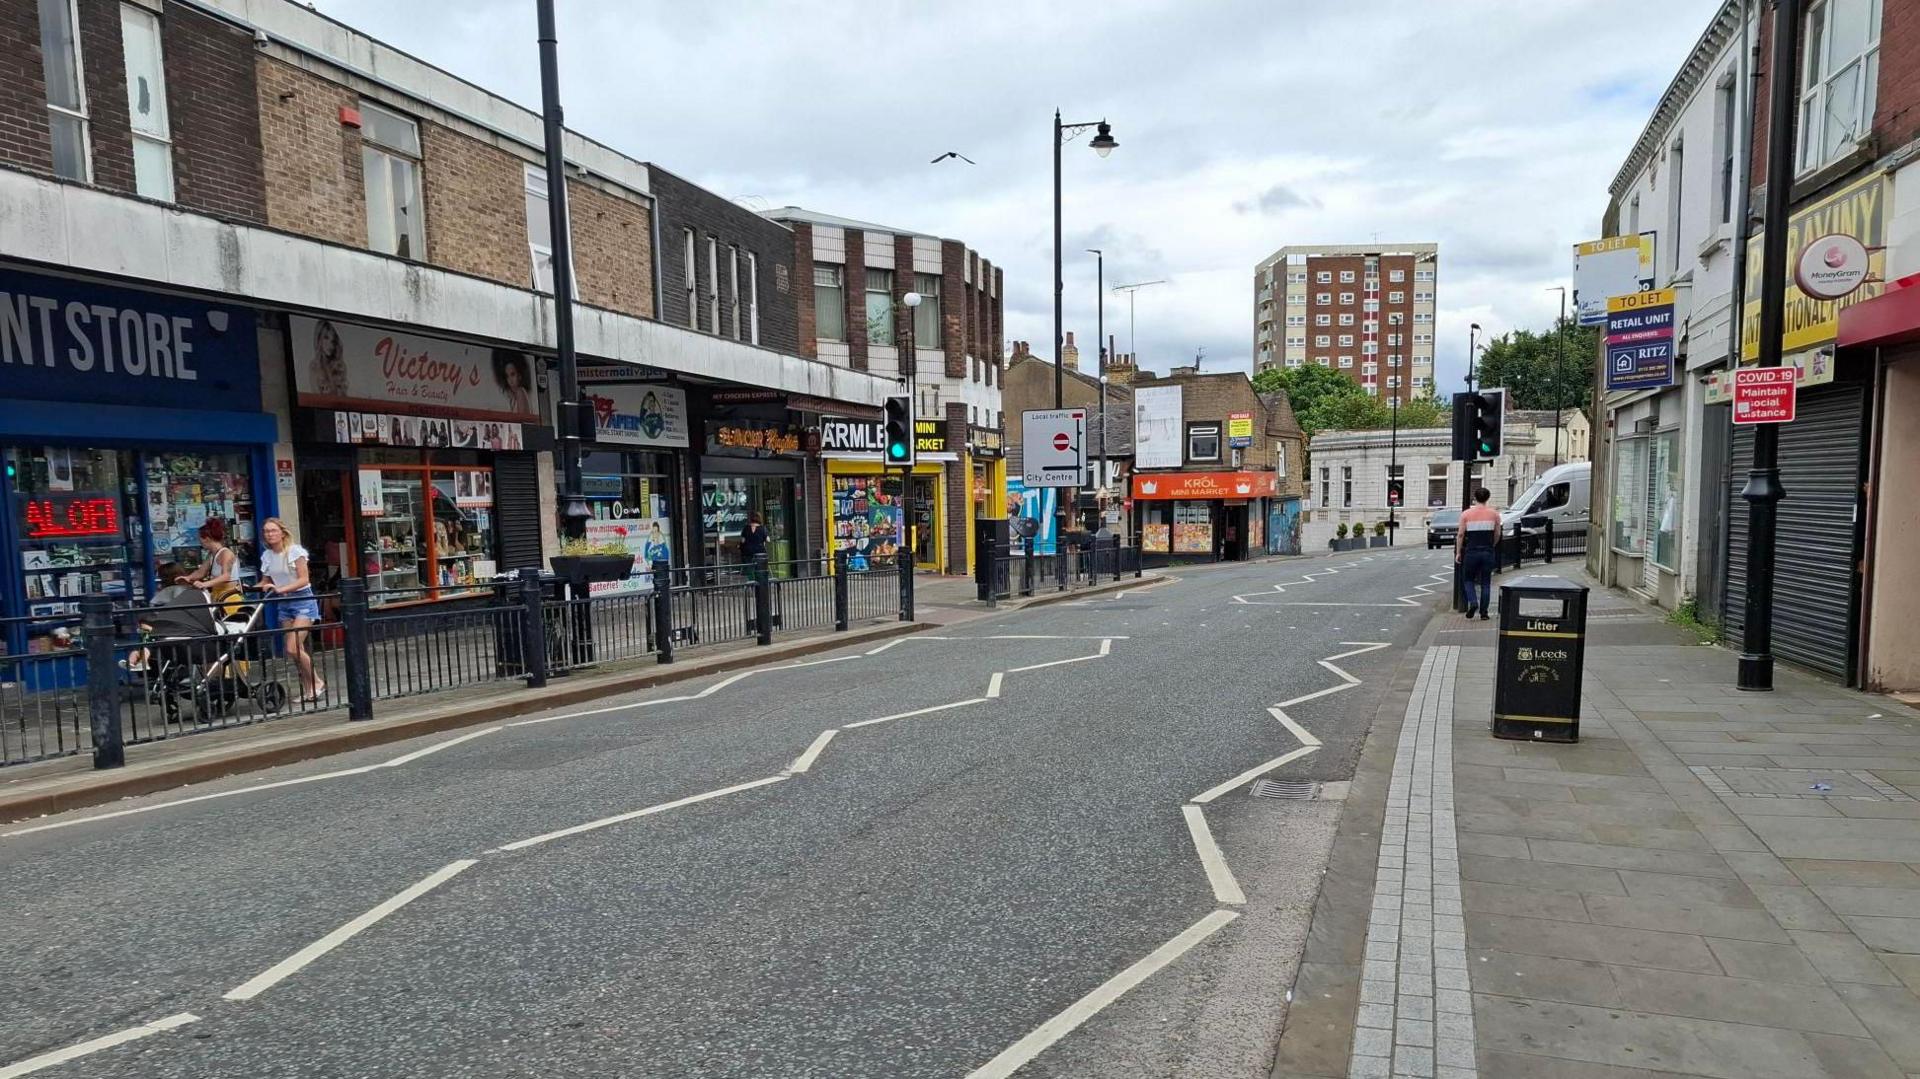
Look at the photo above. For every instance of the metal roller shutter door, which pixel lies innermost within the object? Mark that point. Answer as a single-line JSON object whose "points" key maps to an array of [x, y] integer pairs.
{"points": [[516, 500], [1815, 592]]}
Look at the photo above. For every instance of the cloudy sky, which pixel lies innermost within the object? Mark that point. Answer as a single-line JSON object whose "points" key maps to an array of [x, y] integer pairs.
{"points": [[1489, 126]]}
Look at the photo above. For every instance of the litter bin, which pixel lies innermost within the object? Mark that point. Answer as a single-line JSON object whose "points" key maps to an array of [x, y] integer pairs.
{"points": [[1542, 646]]}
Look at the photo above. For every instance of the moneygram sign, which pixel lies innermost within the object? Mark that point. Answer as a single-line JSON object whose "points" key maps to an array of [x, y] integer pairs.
{"points": [[1857, 212]]}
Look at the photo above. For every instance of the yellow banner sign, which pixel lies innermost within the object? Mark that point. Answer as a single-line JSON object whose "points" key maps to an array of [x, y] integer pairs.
{"points": [[1858, 210]]}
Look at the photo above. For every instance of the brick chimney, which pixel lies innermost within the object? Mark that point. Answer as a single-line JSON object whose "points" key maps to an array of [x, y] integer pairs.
{"points": [[1120, 370], [1070, 355], [1020, 350]]}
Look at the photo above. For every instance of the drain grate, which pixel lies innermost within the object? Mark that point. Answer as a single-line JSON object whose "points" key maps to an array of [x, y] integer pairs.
{"points": [[1296, 790]]}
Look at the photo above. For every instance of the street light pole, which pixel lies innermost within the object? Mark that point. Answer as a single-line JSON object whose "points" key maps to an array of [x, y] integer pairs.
{"points": [[1763, 491], [573, 504], [1466, 466], [1559, 357], [910, 368], [1393, 467], [1100, 344], [1103, 143]]}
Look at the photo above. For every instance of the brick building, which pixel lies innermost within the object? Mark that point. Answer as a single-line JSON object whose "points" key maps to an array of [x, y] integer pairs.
{"points": [[1029, 385], [853, 315], [1366, 310], [259, 264]]}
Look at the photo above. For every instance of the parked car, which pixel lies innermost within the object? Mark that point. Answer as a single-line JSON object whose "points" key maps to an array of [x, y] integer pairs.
{"points": [[1442, 525]]}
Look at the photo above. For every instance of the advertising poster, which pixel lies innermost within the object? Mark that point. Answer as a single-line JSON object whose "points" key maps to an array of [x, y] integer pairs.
{"points": [[370, 502], [1859, 211], [1157, 537], [1157, 427], [1611, 267], [343, 365], [1039, 504], [639, 414], [1192, 528], [643, 537], [866, 520]]}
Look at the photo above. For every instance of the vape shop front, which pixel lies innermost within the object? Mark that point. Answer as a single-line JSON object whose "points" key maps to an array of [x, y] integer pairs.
{"points": [[752, 465], [128, 420], [1202, 516], [631, 471], [418, 459]]}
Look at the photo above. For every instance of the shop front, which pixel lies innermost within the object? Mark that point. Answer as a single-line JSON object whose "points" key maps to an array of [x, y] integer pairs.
{"points": [[752, 465], [1202, 516], [871, 513], [418, 460], [986, 469], [631, 471], [129, 420]]}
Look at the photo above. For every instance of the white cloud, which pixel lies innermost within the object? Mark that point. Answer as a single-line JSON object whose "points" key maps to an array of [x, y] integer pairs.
{"points": [[1489, 126]]}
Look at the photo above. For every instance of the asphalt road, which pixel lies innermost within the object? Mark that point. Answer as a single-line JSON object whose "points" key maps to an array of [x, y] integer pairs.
{"points": [[947, 893]]}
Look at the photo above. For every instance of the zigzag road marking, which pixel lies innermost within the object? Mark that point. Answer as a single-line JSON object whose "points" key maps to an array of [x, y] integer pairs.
{"points": [[1305, 579], [1412, 599]]}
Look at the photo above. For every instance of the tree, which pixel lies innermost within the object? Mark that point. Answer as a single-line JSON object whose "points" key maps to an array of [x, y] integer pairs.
{"points": [[1525, 363], [1325, 399]]}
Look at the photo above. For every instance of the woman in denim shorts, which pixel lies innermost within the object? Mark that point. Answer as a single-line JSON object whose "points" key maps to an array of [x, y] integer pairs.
{"points": [[284, 566]]}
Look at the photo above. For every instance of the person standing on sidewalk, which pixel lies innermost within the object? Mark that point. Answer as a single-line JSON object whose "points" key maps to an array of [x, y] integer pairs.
{"points": [[1473, 549]]}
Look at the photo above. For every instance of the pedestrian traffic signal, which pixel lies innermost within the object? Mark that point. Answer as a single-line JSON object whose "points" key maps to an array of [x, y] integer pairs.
{"points": [[1396, 493], [1477, 424], [897, 443]]}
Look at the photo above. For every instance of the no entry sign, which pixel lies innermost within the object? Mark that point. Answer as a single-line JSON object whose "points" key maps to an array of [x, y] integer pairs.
{"points": [[1764, 394]]}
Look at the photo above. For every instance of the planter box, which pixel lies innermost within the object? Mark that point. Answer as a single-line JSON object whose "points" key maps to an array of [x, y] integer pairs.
{"points": [[584, 569], [1377, 541]]}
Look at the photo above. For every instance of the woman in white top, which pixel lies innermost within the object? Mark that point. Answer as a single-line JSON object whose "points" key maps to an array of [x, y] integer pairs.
{"points": [[283, 568]]}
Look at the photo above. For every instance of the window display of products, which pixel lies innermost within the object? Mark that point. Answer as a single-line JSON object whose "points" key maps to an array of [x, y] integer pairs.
{"points": [[425, 532], [867, 518], [1192, 527], [186, 490]]}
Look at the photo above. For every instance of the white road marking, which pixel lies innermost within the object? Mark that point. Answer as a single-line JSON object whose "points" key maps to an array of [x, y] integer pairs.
{"points": [[1225, 888], [1017, 1055], [1254, 773], [108, 1041], [622, 818], [1316, 694], [409, 758], [884, 647], [993, 684], [916, 712], [682, 698], [196, 798], [1306, 737], [805, 760], [294, 963], [1106, 649]]}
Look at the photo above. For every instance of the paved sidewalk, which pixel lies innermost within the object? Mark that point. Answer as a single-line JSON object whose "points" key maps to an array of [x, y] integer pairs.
{"points": [[1710, 883]]}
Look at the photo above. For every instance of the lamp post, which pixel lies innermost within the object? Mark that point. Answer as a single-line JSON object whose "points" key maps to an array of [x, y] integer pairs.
{"points": [[1466, 466], [573, 504], [1393, 469], [1559, 357], [910, 374], [1100, 342], [1103, 143]]}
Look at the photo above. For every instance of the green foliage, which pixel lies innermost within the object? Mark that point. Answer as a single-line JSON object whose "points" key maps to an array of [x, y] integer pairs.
{"points": [[1688, 617], [1325, 399], [1535, 370], [1340, 531], [1379, 528]]}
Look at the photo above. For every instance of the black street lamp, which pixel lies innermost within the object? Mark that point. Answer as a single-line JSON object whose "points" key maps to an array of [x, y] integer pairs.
{"points": [[1559, 357], [1103, 143], [1100, 343], [573, 503]]}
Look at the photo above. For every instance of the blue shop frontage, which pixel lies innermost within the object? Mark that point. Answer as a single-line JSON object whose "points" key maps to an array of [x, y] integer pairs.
{"points": [[128, 419]]}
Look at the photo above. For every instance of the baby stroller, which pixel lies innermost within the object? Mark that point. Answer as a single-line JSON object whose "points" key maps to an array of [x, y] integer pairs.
{"points": [[202, 653]]}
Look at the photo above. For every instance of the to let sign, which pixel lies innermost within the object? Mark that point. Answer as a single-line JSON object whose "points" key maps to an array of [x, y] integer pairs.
{"points": [[1764, 394], [1640, 340]]}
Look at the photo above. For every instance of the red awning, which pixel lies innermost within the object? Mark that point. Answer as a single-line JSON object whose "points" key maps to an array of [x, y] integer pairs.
{"points": [[1891, 318]]}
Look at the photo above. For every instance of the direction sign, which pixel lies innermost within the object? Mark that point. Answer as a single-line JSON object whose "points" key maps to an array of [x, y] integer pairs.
{"points": [[1053, 447], [1764, 394]]}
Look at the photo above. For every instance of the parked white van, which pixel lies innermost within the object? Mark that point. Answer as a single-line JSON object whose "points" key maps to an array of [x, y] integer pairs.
{"points": [[1562, 494]]}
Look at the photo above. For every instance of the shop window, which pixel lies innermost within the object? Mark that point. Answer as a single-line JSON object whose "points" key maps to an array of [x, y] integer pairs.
{"points": [[426, 532], [185, 491], [390, 165], [879, 307], [147, 103], [726, 502], [829, 302], [66, 90], [1192, 527], [1630, 496], [73, 509], [1663, 500], [1203, 442], [1156, 528]]}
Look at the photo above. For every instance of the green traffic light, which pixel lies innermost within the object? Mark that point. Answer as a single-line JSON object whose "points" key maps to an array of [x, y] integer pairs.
{"points": [[896, 451]]}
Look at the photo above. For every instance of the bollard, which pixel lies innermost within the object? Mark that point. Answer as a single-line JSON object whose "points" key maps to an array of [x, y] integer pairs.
{"points": [[1547, 539], [1116, 556], [842, 601], [1026, 570], [533, 630], [762, 599], [103, 685], [905, 558], [1060, 560], [359, 652], [663, 610]]}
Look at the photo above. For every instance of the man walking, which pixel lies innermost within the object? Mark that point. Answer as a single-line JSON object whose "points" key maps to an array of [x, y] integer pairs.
{"points": [[1473, 548]]}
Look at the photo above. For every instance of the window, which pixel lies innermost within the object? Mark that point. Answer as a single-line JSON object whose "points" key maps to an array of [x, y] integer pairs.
{"points": [[1326, 487], [1346, 318], [829, 302], [1324, 361], [1346, 297], [1370, 305], [692, 285], [753, 297], [1423, 275], [1346, 340], [1370, 369], [1298, 277], [1323, 320], [66, 90], [1842, 69], [1372, 390], [1296, 320], [1393, 359], [927, 325], [1393, 382], [1280, 459], [1436, 485], [1676, 181], [390, 162], [880, 307], [1293, 361], [1395, 318], [540, 233], [1346, 485], [1323, 340], [1346, 277], [1726, 138], [713, 285], [1397, 297], [733, 285], [1423, 316], [1323, 297], [1346, 361], [1423, 296], [147, 103], [1323, 277], [1393, 340], [1203, 442], [1369, 348], [1396, 276], [1422, 338]]}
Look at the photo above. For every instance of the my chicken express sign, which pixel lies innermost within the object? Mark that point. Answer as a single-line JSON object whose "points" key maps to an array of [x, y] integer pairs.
{"points": [[1844, 222]]}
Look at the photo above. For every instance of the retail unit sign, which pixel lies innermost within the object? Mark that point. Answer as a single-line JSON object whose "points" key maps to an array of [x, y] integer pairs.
{"points": [[1764, 395], [1053, 447], [1164, 486], [63, 340], [1239, 430], [1606, 268], [1157, 427], [638, 414], [1849, 226], [986, 441], [343, 365], [1640, 340]]}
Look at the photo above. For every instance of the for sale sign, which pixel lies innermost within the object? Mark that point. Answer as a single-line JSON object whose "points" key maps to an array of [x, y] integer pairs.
{"points": [[1764, 394]]}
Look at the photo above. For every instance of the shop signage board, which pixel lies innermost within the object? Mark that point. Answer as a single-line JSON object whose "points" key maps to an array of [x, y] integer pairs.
{"points": [[1640, 340], [1163, 486], [1764, 395], [1857, 212], [638, 414], [987, 442], [1053, 446], [344, 365], [643, 537], [1157, 427], [1239, 430], [621, 372], [839, 435], [748, 436], [930, 436], [1606, 268], [64, 340]]}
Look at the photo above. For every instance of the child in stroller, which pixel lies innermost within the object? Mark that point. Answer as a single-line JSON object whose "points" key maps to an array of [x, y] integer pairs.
{"points": [[202, 653]]}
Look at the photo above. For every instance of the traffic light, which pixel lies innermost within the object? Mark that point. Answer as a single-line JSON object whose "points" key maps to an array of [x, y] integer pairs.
{"points": [[898, 436], [1477, 424], [1396, 493]]}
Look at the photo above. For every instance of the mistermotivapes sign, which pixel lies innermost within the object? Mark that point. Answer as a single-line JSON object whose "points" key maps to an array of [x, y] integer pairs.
{"points": [[638, 414], [65, 340]]}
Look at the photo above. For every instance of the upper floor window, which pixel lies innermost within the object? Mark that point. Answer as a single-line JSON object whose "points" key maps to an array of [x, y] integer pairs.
{"points": [[691, 257], [1323, 297], [926, 318], [1423, 275], [540, 232], [1296, 320], [1842, 58], [66, 90], [733, 280], [147, 103], [1396, 276], [1323, 277], [713, 285], [1346, 318], [1346, 297], [1203, 442], [1323, 320], [390, 163], [753, 297], [1423, 316], [1298, 277], [829, 302], [880, 307], [1396, 297], [1346, 277], [1346, 361]]}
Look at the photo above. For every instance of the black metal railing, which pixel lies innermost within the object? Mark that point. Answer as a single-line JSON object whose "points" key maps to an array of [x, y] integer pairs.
{"points": [[1535, 538], [1017, 570]]}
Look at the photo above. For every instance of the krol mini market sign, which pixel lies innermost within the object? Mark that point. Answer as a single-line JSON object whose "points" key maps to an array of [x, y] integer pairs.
{"points": [[1836, 257]]}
